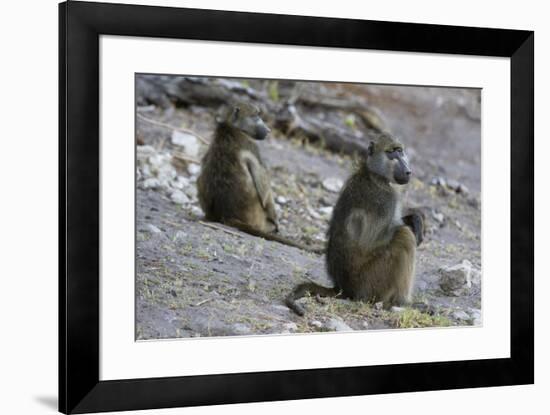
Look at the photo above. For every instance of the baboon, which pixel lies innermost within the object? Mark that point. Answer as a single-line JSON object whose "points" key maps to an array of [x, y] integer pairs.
{"points": [[371, 248], [234, 186]]}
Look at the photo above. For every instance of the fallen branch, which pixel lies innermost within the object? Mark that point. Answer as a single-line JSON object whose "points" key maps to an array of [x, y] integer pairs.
{"points": [[185, 157], [202, 302], [181, 130], [221, 228]]}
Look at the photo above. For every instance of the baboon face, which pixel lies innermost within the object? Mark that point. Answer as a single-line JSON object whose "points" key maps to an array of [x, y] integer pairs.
{"points": [[247, 119], [387, 158]]}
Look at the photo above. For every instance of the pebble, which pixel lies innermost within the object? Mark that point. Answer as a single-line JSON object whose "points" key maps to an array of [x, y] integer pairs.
{"points": [[316, 323], [281, 200], [396, 309], [151, 183], [152, 228], [290, 327], [438, 181], [180, 182], [333, 184], [188, 141], [460, 315], [438, 216], [240, 328], [475, 314], [179, 197], [456, 280], [326, 211], [196, 211], [335, 324], [194, 169]]}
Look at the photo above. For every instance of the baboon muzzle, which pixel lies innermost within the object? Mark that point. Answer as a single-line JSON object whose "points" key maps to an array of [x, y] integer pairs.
{"points": [[261, 132]]}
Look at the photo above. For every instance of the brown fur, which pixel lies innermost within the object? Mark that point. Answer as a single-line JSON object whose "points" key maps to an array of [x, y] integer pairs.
{"points": [[370, 252], [234, 185]]}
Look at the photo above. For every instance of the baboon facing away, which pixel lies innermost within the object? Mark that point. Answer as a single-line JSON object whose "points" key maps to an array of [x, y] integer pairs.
{"points": [[371, 247], [234, 185]]}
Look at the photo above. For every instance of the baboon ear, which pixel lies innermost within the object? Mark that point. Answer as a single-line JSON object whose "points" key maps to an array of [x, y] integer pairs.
{"points": [[370, 150]]}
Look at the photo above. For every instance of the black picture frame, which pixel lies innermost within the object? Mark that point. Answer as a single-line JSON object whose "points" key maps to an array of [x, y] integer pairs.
{"points": [[80, 26]]}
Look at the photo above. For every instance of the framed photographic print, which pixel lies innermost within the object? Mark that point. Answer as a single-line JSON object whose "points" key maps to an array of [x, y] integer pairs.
{"points": [[260, 207]]}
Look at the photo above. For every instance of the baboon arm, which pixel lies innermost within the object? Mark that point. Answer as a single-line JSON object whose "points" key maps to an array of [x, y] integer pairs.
{"points": [[261, 183]]}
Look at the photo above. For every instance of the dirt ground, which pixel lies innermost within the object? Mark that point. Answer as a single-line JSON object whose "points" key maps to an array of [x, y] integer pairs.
{"points": [[197, 279]]}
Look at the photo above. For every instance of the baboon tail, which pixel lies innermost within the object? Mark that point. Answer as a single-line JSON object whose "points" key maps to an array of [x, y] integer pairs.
{"points": [[308, 287], [272, 237]]}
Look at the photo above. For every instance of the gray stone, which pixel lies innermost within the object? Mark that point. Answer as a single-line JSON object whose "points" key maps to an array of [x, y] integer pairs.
{"points": [[181, 183], [189, 142], [460, 315], [240, 328], [333, 184], [144, 152], [196, 211], [335, 324], [396, 309], [193, 169], [290, 327], [179, 197], [316, 323], [326, 211], [438, 216], [152, 228], [475, 314], [439, 181], [456, 280], [281, 200], [151, 183]]}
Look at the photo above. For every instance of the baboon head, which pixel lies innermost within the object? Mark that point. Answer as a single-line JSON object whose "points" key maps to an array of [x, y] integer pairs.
{"points": [[386, 157], [246, 118]]}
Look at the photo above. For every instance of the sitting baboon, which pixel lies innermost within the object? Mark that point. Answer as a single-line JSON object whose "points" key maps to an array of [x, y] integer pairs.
{"points": [[371, 248], [234, 186]]}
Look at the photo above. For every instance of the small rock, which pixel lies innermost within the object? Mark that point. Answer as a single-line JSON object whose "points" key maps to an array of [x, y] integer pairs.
{"points": [[396, 309], [438, 216], [475, 314], [240, 328], [326, 211], [144, 152], [335, 324], [462, 189], [188, 141], [280, 307], [281, 200], [473, 202], [456, 280], [333, 184], [196, 211], [460, 315], [316, 323], [313, 213], [290, 327], [191, 191], [438, 181], [365, 324], [452, 184], [151, 183], [193, 169], [180, 183], [179, 197], [152, 228], [323, 201]]}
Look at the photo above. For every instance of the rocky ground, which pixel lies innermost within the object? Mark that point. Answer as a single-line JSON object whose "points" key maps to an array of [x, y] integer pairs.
{"points": [[200, 279]]}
